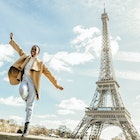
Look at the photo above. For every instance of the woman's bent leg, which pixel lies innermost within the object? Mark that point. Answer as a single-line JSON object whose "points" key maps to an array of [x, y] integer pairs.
{"points": [[23, 90]]}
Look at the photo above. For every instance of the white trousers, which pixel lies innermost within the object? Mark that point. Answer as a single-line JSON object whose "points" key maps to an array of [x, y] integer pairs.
{"points": [[28, 93]]}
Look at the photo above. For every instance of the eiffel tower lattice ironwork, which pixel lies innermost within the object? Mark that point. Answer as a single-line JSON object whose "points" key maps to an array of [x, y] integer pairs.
{"points": [[106, 107]]}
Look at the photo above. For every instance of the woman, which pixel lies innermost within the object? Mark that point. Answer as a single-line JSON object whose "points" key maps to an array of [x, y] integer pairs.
{"points": [[27, 71]]}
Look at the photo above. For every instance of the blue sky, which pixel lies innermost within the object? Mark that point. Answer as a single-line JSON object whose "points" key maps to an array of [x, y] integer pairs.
{"points": [[69, 35]]}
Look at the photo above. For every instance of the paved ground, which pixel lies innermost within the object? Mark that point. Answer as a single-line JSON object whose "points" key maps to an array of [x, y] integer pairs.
{"points": [[13, 136]]}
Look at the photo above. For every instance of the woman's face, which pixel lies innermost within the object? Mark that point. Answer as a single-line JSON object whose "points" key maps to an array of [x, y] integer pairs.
{"points": [[34, 51]]}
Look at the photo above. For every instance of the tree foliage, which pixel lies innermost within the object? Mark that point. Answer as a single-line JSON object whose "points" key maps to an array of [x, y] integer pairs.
{"points": [[11, 126]]}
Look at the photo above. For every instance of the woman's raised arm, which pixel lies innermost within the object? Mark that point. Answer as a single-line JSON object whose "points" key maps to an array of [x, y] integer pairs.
{"points": [[15, 45]]}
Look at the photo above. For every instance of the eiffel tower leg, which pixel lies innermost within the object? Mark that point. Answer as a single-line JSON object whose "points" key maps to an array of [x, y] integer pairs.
{"points": [[85, 128], [130, 130], [127, 137], [76, 132], [96, 131], [89, 123]]}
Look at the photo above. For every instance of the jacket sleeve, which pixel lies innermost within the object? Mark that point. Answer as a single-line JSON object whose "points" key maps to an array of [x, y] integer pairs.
{"points": [[49, 75], [16, 47]]}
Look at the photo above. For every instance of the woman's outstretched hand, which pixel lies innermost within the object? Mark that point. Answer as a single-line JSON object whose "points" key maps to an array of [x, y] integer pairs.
{"points": [[11, 36], [59, 87]]}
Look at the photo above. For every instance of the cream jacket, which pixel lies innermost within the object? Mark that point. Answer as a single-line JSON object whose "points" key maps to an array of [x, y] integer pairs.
{"points": [[37, 68]]}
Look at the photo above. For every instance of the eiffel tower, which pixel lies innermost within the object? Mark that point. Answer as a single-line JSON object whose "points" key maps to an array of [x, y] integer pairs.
{"points": [[99, 114]]}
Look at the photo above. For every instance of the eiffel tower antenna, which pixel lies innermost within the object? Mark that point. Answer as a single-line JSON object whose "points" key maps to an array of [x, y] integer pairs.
{"points": [[104, 7], [106, 107]]}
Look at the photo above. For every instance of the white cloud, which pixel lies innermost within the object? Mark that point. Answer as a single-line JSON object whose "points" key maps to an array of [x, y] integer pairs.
{"points": [[128, 56], [6, 52], [16, 118], [76, 58], [56, 62], [137, 102], [45, 116], [91, 40], [54, 124], [128, 75], [1, 64], [138, 97], [90, 72], [87, 40], [65, 112], [70, 80], [6, 79], [47, 57], [50, 124], [3, 72], [85, 37], [106, 132], [87, 45], [64, 61], [115, 45], [12, 101], [71, 124], [72, 104]]}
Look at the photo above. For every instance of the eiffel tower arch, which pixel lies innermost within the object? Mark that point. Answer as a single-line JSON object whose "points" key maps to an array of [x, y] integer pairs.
{"points": [[99, 115]]}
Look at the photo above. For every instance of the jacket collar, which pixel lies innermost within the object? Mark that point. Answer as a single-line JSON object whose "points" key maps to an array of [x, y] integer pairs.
{"points": [[24, 63]]}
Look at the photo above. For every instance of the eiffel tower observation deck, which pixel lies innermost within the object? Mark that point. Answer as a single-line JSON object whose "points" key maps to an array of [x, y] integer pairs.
{"points": [[106, 107]]}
